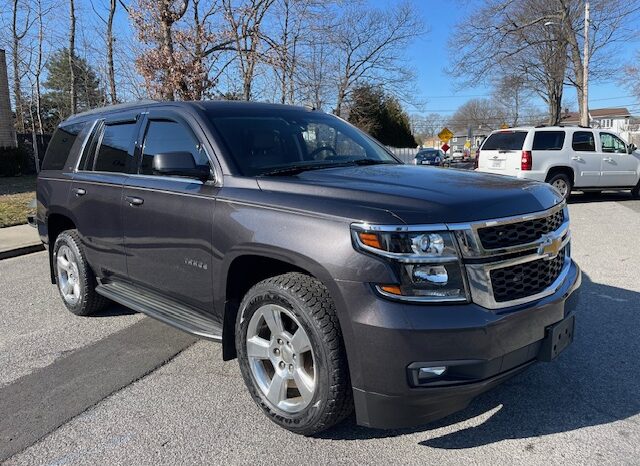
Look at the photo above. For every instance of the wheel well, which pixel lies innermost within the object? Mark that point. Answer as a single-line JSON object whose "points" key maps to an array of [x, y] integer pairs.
{"points": [[56, 224], [244, 272], [564, 170]]}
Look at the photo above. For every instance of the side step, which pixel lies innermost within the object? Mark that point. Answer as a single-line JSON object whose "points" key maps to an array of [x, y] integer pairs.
{"points": [[175, 314]]}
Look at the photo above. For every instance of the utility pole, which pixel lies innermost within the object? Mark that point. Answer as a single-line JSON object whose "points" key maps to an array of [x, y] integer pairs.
{"points": [[584, 118]]}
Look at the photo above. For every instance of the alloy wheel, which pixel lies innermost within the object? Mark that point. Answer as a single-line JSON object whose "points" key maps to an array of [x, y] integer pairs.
{"points": [[68, 275], [281, 358]]}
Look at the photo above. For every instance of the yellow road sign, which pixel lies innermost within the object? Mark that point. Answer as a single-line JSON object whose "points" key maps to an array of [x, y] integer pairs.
{"points": [[467, 144], [445, 134]]}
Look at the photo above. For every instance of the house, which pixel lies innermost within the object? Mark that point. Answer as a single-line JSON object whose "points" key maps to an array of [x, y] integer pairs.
{"points": [[474, 136], [613, 119]]}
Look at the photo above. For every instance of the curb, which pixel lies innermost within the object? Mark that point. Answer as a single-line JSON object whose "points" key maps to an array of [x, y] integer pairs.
{"points": [[21, 251]]}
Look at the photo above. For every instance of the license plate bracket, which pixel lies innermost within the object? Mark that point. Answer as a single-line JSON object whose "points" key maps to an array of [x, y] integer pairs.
{"points": [[496, 163], [557, 338]]}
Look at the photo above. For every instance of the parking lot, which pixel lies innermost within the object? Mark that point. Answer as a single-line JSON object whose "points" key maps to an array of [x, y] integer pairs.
{"points": [[120, 388]]}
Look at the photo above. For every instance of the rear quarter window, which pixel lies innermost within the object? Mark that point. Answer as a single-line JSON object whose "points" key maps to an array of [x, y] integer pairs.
{"points": [[60, 146], [505, 140], [548, 140]]}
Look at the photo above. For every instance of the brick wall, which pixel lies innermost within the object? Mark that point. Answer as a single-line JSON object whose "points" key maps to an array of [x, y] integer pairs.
{"points": [[7, 132]]}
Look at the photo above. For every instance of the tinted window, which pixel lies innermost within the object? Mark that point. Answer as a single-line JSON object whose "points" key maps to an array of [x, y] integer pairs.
{"points": [[505, 140], [611, 143], [114, 148], [289, 138], [548, 140], [583, 141], [169, 136], [60, 146]]}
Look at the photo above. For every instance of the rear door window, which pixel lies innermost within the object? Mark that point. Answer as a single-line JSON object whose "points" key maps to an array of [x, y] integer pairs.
{"points": [[548, 140], [583, 141], [115, 148], [505, 140], [60, 146]]}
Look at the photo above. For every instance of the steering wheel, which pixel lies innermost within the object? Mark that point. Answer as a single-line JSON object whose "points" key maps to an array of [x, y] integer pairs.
{"points": [[316, 151]]}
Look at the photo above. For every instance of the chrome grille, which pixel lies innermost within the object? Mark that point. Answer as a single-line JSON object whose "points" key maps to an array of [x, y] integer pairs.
{"points": [[522, 280], [514, 234]]}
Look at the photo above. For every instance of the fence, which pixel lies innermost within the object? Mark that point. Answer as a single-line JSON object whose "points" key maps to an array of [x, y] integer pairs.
{"points": [[406, 154]]}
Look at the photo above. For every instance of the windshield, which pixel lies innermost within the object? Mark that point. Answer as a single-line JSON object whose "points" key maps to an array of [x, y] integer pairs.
{"points": [[294, 140], [429, 155], [505, 140]]}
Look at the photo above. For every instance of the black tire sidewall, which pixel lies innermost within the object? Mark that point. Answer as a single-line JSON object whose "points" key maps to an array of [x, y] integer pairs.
{"points": [[260, 296], [66, 239]]}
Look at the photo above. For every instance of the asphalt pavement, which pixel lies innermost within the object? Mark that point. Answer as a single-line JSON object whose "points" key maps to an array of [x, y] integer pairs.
{"points": [[193, 408]]}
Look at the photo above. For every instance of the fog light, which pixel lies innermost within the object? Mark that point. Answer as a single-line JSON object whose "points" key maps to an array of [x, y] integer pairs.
{"points": [[433, 274], [424, 375]]}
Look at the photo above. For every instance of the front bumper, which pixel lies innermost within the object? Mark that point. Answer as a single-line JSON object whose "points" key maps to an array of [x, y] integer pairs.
{"points": [[485, 347]]}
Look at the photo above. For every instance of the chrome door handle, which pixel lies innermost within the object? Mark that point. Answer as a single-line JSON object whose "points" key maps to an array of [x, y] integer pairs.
{"points": [[134, 201], [576, 157], [608, 159], [79, 191]]}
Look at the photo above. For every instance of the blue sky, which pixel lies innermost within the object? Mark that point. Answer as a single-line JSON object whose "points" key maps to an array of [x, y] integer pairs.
{"points": [[430, 55]]}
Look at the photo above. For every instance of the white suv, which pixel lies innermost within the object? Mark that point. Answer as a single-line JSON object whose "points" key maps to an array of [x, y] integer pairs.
{"points": [[577, 157]]}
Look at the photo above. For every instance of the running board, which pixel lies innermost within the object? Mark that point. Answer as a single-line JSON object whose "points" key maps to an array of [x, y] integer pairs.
{"points": [[175, 314]]}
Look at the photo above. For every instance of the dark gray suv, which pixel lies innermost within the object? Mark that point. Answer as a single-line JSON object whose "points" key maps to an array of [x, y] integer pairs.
{"points": [[337, 276]]}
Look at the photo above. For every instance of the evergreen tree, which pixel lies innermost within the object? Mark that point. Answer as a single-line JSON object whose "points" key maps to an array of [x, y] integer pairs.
{"points": [[380, 115], [57, 99]]}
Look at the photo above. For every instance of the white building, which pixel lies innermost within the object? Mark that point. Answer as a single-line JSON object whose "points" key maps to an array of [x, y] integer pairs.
{"points": [[613, 119]]}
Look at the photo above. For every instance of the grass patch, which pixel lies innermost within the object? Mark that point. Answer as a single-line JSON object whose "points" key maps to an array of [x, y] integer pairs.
{"points": [[16, 193]]}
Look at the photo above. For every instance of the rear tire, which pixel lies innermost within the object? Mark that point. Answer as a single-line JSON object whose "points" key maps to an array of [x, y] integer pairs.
{"points": [[562, 183], [75, 279], [635, 192], [291, 353]]}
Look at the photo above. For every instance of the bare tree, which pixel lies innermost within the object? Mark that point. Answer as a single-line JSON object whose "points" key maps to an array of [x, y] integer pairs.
{"points": [[18, 33], [512, 93], [72, 52], [477, 114], [245, 22], [110, 40], [368, 45]]}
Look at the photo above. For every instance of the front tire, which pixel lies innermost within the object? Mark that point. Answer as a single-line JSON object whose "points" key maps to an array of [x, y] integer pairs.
{"points": [[75, 279], [292, 355], [635, 192], [562, 183]]}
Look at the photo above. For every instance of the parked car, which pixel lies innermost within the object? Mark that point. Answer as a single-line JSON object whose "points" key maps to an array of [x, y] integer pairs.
{"points": [[457, 156], [338, 276], [429, 157], [570, 157]]}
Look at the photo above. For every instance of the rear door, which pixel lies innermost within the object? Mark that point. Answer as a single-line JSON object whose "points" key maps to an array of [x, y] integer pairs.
{"points": [[168, 220], [585, 160], [619, 168], [96, 192], [502, 152]]}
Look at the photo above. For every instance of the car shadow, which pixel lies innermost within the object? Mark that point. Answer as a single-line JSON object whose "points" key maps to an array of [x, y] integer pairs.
{"points": [[590, 197], [114, 310], [593, 382]]}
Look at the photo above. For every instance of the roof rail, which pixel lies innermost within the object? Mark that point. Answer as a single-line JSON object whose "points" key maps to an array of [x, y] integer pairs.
{"points": [[122, 106]]}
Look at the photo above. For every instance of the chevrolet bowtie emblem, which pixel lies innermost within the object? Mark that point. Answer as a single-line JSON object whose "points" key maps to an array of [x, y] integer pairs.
{"points": [[550, 247]]}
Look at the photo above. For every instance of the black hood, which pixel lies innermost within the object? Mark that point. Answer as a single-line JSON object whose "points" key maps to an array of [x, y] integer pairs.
{"points": [[421, 194]]}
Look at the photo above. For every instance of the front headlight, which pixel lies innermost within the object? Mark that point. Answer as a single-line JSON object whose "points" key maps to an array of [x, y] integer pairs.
{"points": [[426, 262]]}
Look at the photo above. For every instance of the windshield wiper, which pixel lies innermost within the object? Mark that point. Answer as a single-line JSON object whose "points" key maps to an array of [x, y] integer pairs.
{"points": [[294, 170]]}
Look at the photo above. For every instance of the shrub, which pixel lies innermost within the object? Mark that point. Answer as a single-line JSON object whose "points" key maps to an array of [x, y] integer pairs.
{"points": [[14, 161]]}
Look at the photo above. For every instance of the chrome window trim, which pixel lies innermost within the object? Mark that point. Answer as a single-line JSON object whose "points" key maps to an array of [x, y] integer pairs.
{"points": [[84, 145]]}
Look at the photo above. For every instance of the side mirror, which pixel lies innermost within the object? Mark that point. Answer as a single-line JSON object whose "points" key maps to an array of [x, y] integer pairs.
{"points": [[631, 148], [179, 164]]}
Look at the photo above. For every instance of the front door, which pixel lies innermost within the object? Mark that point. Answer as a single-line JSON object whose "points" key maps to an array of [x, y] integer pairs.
{"points": [[168, 220], [585, 160], [619, 168]]}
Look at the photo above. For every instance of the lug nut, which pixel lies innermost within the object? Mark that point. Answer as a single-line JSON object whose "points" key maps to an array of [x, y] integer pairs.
{"points": [[276, 351], [282, 364], [290, 367], [294, 356], [279, 341]]}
